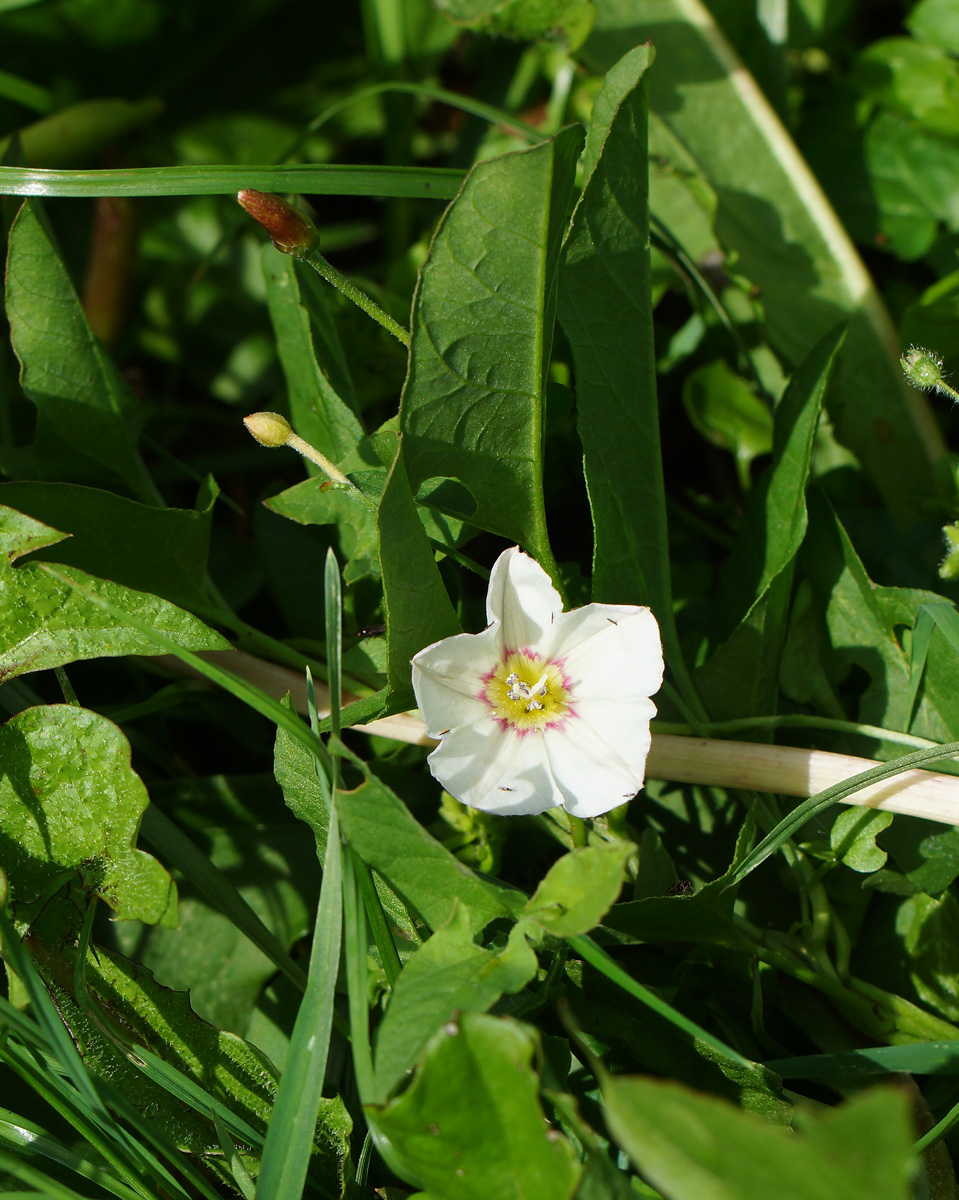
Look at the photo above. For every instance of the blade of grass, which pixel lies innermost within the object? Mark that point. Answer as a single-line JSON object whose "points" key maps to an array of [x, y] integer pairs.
{"points": [[29, 1141], [596, 956], [154, 1135], [289, 1140], [140, 1163], [424, 183], [241, 1176], [822, 800]]}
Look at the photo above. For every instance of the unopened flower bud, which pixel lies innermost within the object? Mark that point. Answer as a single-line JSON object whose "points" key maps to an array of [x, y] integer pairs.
{"points": [[290, 230], [922, 367], [269, 428]]}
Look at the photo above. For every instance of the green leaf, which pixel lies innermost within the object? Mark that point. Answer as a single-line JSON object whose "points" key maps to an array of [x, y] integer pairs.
{"points": [[384, 833], [70, 802], [74, 134], [853, 839], [858, 626], [695, 1147], [447, 975], [787, 240], [935, 21], [158, 550], [326, 419], [579, 889], [728, 413], [496, 1144], [85, 411], [481, 333], [418, 608], [929, 930], [776, 520], [291, 1133], [45, 622], [606, 314], [424, 183], [142, 1013]]}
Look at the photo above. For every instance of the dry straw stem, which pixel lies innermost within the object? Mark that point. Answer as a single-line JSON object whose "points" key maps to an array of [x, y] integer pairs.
{"points": [[756, 767]]}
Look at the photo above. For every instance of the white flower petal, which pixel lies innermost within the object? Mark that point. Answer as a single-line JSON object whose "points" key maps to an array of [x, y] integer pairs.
{"points": [[592, 776], [521, 598], [448, 679], [496, 770], [608, 650]]}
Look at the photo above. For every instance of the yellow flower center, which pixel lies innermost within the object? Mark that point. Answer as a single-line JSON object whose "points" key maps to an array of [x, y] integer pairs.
{"points": [[527, 692]]}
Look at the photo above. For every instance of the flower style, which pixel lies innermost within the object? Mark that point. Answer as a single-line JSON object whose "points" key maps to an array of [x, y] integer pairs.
{"points": [[544, 707]]}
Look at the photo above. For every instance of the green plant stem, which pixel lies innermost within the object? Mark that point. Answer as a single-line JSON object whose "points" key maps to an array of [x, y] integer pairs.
{"points": [[349, 289]]}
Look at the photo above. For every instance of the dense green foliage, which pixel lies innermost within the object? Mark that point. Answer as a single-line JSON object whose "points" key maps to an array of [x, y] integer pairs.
{"points": [[655, 262]]}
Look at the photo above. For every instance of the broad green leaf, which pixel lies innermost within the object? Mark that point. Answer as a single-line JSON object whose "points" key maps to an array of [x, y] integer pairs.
{"points": [[853, 839], [606, 314], [579, 889], [71, 802], [158, 550], [481, 332], [143, 1013], [46, 623], [418, 608], [787, 239], [910, 170], [85, 411], [695, 1147], [935, 21], [918, 79], [471, 1126], [925, 853], [449, 974], [384, 833], [929, 930], [275, 875], [325, 418]]}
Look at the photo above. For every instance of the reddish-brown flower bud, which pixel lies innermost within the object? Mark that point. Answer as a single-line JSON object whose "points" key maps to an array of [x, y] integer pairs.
{"points": [[291, 231]]}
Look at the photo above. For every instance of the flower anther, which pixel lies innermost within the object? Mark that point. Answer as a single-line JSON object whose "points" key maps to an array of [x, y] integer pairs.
{"points": [[545, 707]]}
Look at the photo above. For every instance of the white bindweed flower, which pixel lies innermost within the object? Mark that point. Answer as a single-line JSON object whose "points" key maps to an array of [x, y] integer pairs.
{"points": [[544, 707]]}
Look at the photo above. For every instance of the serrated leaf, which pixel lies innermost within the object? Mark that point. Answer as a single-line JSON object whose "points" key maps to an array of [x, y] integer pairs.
{"points": [[44, 622], [71, 802]]}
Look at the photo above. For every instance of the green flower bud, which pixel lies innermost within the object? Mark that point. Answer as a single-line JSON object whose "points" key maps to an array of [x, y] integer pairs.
{"points": [[922, 368], [269, 428], [290, 230]]}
